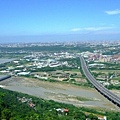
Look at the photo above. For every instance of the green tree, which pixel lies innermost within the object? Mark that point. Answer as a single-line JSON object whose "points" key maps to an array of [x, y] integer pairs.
{"points": [[6, 114], [92, 117], [79, 115]]}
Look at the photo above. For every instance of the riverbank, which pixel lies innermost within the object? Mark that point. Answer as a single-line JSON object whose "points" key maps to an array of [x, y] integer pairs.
{"points": [[61, 92]]}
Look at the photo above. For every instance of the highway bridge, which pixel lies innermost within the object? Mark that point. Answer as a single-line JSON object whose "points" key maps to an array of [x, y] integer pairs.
{"points": [[104, 91], [4, 77]]}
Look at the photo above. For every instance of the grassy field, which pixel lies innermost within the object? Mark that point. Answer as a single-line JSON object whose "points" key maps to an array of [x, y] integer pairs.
{"points": [[117, 78], [60, 75]]}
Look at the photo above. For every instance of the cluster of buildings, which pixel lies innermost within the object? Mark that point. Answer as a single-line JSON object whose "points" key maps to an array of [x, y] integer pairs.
{"points": [[62, 111], [27, 101], [97, 56], [38, 60], [97, 60]]}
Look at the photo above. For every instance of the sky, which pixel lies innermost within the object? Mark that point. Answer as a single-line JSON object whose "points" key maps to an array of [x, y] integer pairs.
{"points": [[59, 20]]}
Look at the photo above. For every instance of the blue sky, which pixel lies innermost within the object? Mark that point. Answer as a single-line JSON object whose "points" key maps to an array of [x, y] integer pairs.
{"points": [[59, 20]]}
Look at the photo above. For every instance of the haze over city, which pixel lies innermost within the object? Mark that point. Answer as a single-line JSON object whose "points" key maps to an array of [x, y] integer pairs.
{"points": [[54, 20]]}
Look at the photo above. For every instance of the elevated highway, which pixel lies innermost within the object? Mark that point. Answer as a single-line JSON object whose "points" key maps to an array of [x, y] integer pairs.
{"points": [[104, 91], [4, 77]]}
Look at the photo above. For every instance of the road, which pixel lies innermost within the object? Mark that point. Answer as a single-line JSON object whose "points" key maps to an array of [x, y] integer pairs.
{"points": [[104, 91], [4, 77]]}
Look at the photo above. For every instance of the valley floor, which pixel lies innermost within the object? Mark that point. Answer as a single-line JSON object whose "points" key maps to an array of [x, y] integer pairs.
{"points": [[61, 92]]}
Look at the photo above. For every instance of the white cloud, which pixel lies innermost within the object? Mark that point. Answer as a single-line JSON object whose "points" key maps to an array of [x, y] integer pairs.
{"points": [[113, 12], [97, 28], [76, 29], [91, 29]]}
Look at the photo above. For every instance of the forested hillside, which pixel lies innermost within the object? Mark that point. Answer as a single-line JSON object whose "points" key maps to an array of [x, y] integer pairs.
{"points": [[18, 106]]}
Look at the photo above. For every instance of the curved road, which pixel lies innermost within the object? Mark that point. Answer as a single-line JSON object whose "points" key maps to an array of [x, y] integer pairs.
{"points": [[104, 91]]}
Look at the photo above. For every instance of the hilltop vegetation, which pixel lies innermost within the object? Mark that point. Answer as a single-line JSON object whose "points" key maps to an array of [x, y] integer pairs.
{"points": [[18, 106]]}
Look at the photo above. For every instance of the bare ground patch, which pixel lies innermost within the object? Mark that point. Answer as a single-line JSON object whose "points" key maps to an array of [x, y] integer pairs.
{"points": [[61, 92]]}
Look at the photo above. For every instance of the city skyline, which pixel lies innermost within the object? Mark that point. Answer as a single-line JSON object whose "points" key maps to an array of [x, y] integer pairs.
{"points": [[64, 20]]}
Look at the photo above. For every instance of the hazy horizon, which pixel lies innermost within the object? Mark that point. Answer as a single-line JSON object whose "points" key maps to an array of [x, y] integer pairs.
{"points": [[64, 20], [56, 38]]}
